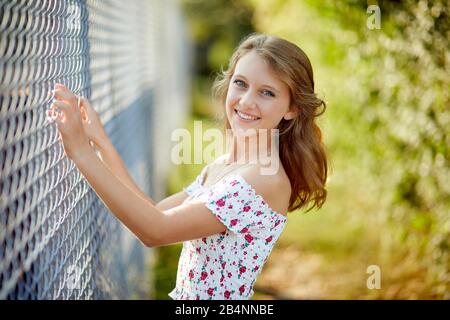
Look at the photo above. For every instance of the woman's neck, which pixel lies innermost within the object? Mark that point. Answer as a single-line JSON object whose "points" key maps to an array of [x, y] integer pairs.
{"points": [[260, 149]]}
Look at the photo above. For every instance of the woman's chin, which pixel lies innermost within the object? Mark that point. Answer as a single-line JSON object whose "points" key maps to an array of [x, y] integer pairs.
{"points": [[244, 130]]}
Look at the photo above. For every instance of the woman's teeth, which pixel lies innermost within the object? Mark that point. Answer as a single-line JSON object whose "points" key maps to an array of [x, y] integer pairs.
{"points": [[246, 116]]}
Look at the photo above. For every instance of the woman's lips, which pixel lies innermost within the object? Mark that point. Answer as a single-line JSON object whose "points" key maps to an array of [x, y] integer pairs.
{"points": [[246, 117]]}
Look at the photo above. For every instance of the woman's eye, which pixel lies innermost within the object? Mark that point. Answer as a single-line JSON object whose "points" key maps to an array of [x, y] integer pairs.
{"points": [[240, 83], [269, 93]]}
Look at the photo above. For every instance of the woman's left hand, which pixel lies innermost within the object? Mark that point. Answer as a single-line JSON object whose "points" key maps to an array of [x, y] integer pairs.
{"points": [[66, 112]]}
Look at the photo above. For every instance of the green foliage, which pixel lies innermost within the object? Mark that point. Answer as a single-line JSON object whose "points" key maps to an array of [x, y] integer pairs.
{"points": [[387, 130], [215, 27], [410, 115], [388, 115], [165, 270]]}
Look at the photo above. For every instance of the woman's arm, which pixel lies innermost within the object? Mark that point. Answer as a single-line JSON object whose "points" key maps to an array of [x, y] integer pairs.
{"points": [[96, 133], [108, 154], [132, 209], [172, 201], [153, 226]]}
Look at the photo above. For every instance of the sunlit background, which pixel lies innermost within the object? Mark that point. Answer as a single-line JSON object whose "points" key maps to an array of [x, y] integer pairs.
{"points": [[147, 66], [386, 130]]}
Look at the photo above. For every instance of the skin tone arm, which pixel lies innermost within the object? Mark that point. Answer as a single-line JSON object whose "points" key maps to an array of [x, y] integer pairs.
{"points": [[108, 154], [152, 225]]}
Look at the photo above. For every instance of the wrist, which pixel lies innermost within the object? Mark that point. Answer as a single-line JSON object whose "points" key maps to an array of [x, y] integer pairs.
{"points": [[81, 156], [102, 142]]}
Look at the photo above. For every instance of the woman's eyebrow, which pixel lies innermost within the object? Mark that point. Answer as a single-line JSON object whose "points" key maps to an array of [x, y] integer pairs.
{"points": [[264, 85]]}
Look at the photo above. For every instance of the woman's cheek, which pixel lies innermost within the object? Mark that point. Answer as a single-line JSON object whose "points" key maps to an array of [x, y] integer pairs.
{"points": [[230, 104], [269, 119], [232, 98]]}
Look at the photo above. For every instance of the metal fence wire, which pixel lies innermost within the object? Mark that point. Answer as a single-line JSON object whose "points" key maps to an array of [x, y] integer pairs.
{"points": [[57, 238]]}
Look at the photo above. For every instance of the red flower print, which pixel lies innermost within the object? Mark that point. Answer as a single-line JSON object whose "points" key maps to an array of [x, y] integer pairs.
{"points": [[226, 257], [242, 289]]}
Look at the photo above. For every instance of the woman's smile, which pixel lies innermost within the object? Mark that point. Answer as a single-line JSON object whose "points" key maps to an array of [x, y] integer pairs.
{"points": [[245, 117]]}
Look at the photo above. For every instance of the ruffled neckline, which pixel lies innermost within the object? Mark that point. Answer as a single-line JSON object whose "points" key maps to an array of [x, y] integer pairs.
{"points": [[250, 187]]}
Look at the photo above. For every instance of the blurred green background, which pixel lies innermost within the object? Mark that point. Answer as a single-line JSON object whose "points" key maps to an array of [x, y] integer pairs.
{"points": [[386, 130]]}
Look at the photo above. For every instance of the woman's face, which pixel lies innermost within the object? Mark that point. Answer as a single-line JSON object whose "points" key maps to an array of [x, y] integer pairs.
{"points": [[256, 98]]}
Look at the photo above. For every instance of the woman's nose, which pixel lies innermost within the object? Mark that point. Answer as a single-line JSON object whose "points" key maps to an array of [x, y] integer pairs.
{"points": [[247, 100]]}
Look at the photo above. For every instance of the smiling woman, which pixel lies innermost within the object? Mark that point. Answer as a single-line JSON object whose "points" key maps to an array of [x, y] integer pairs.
{"points": [[231, 216], [252, 100], [269, 84]]}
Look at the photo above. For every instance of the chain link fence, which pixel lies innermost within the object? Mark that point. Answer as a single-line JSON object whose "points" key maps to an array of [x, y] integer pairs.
{"points": [[57, 238]]}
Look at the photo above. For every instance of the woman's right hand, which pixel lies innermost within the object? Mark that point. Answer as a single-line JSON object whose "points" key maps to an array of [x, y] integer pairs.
{"points": [[92, 124]]}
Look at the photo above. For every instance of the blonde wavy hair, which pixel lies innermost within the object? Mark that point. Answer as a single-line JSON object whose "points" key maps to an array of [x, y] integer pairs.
{"points": [[301, 148]]}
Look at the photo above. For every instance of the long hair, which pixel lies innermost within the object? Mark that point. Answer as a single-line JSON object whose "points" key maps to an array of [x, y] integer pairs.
{"points": [[301, 148]]}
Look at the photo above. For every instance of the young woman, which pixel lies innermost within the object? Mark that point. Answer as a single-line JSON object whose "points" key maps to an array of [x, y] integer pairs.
{"points": [[230, 217]]}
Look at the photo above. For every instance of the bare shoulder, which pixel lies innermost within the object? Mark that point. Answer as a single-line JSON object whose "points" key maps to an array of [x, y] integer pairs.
{"points": [[214, 164], [218, 162], [221, 159], [275, 188]]}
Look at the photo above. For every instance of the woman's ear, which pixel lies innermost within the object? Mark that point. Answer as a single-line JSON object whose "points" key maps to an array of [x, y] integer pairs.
{"points": [[294, 112]]}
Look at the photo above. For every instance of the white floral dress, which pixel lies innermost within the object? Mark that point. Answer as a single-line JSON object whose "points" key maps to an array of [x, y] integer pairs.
{"points": [[226, 265]]}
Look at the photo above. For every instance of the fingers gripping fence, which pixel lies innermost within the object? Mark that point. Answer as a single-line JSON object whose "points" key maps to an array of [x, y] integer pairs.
{"points": [[57, 238]]}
